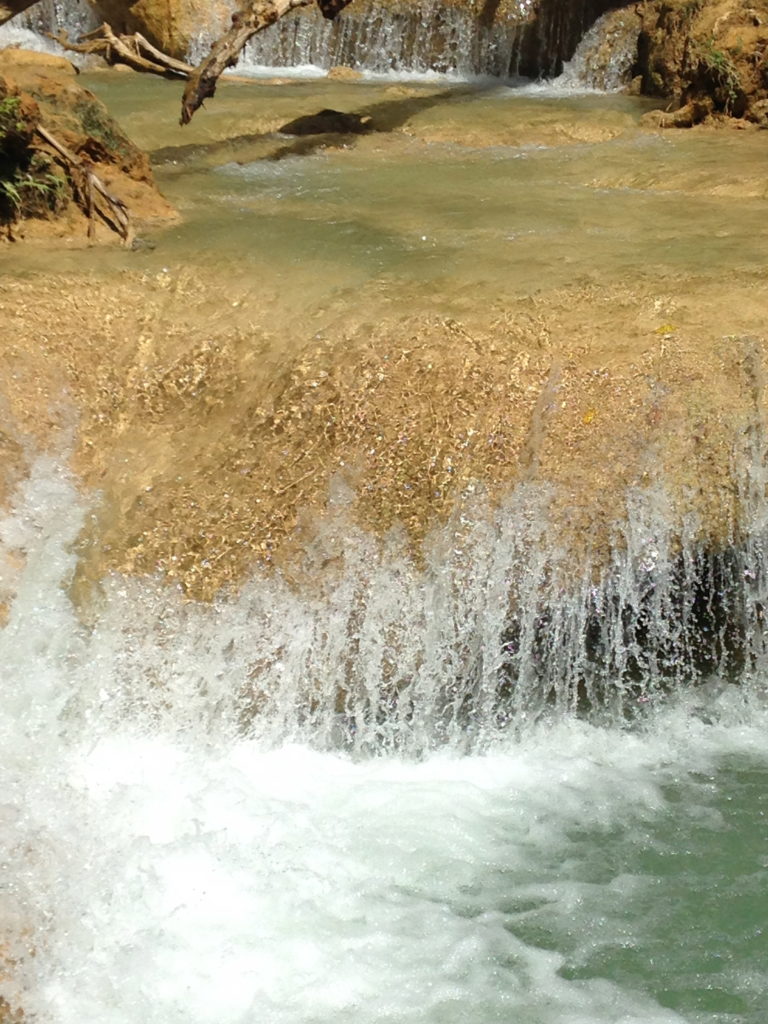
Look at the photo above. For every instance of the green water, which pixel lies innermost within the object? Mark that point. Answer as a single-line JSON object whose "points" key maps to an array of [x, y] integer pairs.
{"points": [[464, 194], [678, 908]]}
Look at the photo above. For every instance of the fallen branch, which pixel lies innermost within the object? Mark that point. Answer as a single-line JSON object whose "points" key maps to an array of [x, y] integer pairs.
{"points": [[93, 193], [133, 50], [179, 66]]}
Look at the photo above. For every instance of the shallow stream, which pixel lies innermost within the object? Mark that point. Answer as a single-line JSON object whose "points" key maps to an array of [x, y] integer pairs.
{"points": [[171, 854]]}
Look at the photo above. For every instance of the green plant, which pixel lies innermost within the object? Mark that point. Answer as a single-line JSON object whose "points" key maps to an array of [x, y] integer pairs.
{"points": [[9, 116], [11, 194], [28, 193], [722, 73], [9, 106]]}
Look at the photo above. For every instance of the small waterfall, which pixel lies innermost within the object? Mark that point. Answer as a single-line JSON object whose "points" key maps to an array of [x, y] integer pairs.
{"points": [[493, 632], [75, 16], [523, 37], [411, 37], [606, 55]]}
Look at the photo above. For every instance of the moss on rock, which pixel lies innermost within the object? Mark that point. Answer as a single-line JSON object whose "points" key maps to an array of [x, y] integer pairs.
{"points": [[40, 90], [707, 58]]}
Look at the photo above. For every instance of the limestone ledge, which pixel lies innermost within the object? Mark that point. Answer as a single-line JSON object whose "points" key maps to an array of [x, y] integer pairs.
{"points": [[212, 452]]}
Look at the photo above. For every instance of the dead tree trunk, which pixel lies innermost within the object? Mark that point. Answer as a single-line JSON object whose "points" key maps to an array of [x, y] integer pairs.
{"points": [[225, 51]]}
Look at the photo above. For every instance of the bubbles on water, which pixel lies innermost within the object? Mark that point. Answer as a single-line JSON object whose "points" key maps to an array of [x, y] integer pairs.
{"points": [[179, 851]]}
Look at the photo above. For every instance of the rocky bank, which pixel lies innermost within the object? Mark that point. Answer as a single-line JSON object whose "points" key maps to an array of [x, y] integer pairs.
{"points": [[705, 58], [39, 197]]}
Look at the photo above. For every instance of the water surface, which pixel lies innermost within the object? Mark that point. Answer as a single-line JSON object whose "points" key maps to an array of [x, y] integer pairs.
{"points": [[171, 858]]}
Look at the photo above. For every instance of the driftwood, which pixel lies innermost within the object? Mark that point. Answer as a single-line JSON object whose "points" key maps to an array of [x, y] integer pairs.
{"points": [[93, 195], [133, 50]]}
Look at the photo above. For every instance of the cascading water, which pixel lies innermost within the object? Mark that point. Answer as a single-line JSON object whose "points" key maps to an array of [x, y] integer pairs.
{"points": [[373, 799], [32, 28], [414, 38], [504, 784], [606, 54]]}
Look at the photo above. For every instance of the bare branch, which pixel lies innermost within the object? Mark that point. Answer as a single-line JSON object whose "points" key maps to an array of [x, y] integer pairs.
{"points": [[182, 68], [257, 16], [90, 186], [127, 50]]}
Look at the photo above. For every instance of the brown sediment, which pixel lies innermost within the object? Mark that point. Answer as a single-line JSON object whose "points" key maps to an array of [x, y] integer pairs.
{"points": [[9, 1014], [214, 448]]}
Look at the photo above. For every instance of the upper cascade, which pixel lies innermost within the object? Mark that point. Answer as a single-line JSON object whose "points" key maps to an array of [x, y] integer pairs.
{"points": [[502, 38]]}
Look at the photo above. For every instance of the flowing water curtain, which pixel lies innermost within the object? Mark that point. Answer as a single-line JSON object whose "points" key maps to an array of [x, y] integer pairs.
{"points": [[606, 55], [49, 16], [428, 35]]}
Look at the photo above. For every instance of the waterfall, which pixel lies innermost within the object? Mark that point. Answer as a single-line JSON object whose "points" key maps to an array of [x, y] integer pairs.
{"points": [[606, 54], [495, 630], [76, 16], [410, 37], [521, 37], [31, 28], [279, 794]]}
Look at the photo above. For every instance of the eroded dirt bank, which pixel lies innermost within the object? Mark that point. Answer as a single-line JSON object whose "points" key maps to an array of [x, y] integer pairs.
{"points": [[56, 140]]}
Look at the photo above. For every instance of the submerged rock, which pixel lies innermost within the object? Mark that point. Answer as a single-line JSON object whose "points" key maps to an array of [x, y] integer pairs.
{"points": [[328, 122]]}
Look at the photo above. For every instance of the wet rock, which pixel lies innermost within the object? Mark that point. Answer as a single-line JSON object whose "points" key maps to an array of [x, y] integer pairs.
{"points": [[339, 73], [328, 122], [143, 245], [758, 113], [685, 117]]}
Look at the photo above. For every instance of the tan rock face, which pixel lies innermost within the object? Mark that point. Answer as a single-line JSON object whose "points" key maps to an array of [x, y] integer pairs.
{"points": [[170, 24]]}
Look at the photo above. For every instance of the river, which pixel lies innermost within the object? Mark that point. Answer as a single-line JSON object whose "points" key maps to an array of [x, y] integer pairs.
{"points": [[373, 799]]}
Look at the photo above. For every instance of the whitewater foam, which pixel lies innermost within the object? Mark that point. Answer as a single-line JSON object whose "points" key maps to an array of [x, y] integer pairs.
{"points": [[169, 858]]}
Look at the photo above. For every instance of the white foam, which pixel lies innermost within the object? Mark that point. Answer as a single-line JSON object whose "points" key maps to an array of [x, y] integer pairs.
{"points": [[166, 865], [297, 71], [230, 883]]}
